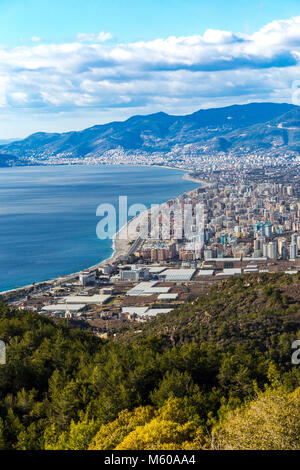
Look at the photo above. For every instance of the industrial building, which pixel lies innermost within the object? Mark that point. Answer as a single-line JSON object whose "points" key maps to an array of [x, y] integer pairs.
{"points": [[56, 308], [167, 296], [177, 275], [87, 300], [206, 272], [136, 273], [87, 277], [147, 288], [154, 270], [146, 311], [230, 272]]}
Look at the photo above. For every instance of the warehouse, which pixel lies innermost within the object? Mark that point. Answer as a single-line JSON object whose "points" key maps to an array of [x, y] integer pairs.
{"points": [[147, 288], [55, 308], [156, 270], [141, 287], [245, 258], [230, 272], [177, 275], [135, 310], [88, 300], [167, 296], [250, 270], [206, 272], [145, 311]]}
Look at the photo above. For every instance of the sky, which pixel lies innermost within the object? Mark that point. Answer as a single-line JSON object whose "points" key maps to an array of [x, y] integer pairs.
{"points": [[70, 64]]}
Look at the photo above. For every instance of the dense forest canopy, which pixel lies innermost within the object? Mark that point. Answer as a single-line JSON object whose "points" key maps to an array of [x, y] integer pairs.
{"points": [[208, 375]]}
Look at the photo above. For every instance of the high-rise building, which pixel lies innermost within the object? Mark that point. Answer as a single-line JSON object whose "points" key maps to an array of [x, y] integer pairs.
{"points": [[256, 227], [172, 250], [265, 250], [261, 228], [272, 250], [162, 254], [293, 251], [281, 242], [268, 229], [284, 253], [294, 238], [256, 244], [154, 255], [223, 238]]}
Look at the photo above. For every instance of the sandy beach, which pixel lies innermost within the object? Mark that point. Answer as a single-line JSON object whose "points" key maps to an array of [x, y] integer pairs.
{"points": [[127, 235], [204, 184]]}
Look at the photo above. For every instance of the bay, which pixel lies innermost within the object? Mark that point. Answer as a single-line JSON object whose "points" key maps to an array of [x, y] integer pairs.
{"points": [[48, 215]]}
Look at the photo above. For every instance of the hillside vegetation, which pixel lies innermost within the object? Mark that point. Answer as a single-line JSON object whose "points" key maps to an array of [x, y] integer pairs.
{"points": [[215, 374]]}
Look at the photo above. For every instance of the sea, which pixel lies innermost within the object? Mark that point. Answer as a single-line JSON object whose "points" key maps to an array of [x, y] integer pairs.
{"points": [[48, 215]]}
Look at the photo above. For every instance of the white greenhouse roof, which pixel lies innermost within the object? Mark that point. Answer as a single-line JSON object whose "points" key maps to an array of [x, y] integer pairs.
{"points": [[93, 299], [167, 296], [146, 311], [206, 272], [179, 274], [230, 272], [63, 308], [156, 269]]}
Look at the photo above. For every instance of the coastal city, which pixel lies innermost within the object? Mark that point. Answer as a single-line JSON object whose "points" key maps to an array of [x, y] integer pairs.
{"points": [[150, 230], [185, 157], [251, 224]]}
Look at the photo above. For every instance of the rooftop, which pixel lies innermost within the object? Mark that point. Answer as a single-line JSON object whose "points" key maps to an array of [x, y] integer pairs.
{"points": [[93, 299], [141, 311], [167, 296], [206, 272], [178, 274], [147, 288], [63, 307]]}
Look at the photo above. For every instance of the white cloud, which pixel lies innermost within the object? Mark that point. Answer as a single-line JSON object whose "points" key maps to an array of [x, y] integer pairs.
{"points": [[176, 74], [19, 97], [90, 37], [35, 39], [216, 36], [4, 80], [282, 32], [102, 36]]}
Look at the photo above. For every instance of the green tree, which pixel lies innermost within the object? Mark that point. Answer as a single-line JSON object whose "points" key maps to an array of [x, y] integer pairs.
{"points": [[174, 384]]}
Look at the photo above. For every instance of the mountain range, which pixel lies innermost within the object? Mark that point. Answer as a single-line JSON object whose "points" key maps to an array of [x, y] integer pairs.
{"points": [[254, 127]]}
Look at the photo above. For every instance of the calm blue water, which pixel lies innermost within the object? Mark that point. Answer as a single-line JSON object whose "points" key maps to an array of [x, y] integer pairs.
{"points": [[48, 215]]}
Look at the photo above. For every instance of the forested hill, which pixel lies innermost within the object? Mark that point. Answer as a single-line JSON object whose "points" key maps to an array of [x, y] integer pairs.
{"points": [[216, 373], [245, 310]]}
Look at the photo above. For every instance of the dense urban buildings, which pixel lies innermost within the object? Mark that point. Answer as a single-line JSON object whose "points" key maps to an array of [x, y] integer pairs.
{"points": [[250, 223]]}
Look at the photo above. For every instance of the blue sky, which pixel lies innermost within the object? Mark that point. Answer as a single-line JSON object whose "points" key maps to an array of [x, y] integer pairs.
{"points": [[69, 64], [131, 20]]}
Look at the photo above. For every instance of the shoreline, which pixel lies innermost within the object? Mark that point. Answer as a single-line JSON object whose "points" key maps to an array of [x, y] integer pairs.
{"points": [[120, 247], [204, 184]]}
